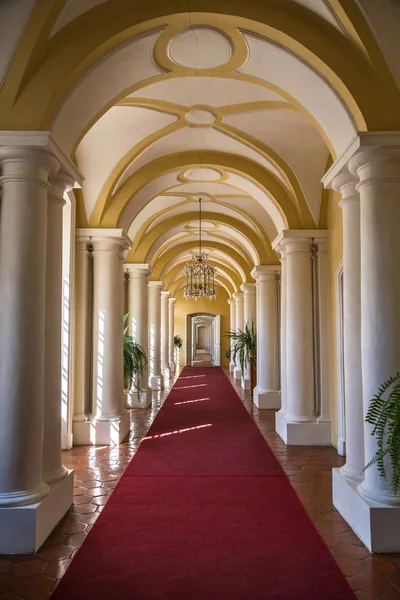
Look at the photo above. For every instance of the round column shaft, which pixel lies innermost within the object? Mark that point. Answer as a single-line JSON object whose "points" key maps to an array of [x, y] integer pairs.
{"points": [[165, 296], [249, 317], [53, 469], [283, 333], [354, 417], [239, 326], [378, 171], [23, 236], [171, 326], [81, 330], [299, 329], [232, 327], [266, 394], [138, 309], [156, 380], [108, 379]]}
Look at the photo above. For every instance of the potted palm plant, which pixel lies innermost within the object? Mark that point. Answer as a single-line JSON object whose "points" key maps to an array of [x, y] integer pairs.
{"points": [[243, 350], [135, 362], [384, 415]]}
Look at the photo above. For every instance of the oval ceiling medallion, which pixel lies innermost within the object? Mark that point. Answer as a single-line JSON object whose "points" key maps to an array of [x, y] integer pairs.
{"points": [[200, 48], [202, 174], [200, 116]]}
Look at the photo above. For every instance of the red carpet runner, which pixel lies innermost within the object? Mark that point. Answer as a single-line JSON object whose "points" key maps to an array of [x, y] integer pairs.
{"points": [[204, 511]]}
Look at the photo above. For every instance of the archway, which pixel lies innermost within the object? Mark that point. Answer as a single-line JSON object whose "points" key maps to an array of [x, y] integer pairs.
{"points": [[203, 335]]}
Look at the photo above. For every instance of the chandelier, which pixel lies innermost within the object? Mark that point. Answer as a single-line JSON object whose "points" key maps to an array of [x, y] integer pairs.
{"points": [[199, 274]]}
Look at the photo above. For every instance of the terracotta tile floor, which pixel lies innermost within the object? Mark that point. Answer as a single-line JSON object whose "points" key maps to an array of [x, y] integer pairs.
{"points": [[97, 471]]}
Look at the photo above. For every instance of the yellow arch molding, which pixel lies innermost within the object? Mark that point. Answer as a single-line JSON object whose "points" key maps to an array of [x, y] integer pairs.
{"points": [[180, 111], [144, 246], [78, 45], [281, 165], [159, 265], [169, 277], [216, 199], [218, 259], [252, 171], [226, 245], [122, 164]]}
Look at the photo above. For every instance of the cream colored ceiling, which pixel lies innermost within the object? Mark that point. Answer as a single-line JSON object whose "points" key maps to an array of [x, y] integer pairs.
{"points": [[259, 116]]}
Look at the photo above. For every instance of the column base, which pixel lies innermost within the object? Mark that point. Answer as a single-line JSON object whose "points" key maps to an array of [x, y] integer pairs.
{"points": [[303, 434], [156, 383], [245, 383], [237, 373], [231, 367], [25, 528], [107, 432], [377, 525], [172, 367], [264, 399], [140, 399]]}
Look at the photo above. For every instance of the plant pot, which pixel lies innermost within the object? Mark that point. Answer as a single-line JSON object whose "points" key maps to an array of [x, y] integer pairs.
{"points": [[138, 399]]}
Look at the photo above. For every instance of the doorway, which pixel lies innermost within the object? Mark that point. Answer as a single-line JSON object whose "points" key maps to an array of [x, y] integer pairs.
{"points": [[203, 334]]}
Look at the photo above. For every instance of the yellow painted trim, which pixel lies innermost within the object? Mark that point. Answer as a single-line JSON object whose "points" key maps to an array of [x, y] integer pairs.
{"points": [[105, 196], [74, 49], [160, 263], [252, 171], [144, 247]]}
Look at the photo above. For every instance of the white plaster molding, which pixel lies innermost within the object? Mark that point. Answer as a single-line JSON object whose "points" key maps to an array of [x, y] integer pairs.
{"points": [[363, 140], [43, 140]]}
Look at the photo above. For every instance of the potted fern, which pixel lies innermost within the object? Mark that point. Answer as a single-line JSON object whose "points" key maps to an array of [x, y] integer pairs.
{"points": [[135, 362], [243, 349], [178, 341], [384, 415]]}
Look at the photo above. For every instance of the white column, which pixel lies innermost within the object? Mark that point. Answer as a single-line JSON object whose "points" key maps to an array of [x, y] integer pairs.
{"points": [[27, 512], [165, 296], [232, 326], [111, 421], [300, 424], [53, 469], [379, 187], [321, 322], [283, 336], [22, 322], [370, 507], [156, 380], [239, 325], [171, 326], [354, 417], [266, 393], [82, 334], [249, 315], [138, 324]]}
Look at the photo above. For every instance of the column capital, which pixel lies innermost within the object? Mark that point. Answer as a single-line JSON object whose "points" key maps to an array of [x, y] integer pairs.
{"points": [[238, 297], [38, 141], [172, 301], [156, 285], [29, 165], [108, 240], [382, 163], [165, 294], [265, 272], [60, 183], [364, 141], [346, 184], [137, 270], [248, 288], [82, 240], [231, 301]]}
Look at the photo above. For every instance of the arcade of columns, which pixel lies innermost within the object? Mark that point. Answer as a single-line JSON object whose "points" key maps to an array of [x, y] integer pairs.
{"points": [[292, 367]]}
